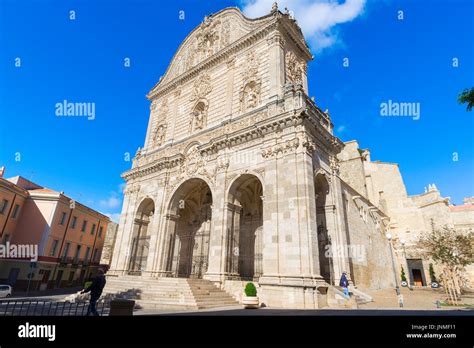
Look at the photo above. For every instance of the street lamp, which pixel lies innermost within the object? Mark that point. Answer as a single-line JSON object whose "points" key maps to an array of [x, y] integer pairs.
{"points": [[397, 288]]}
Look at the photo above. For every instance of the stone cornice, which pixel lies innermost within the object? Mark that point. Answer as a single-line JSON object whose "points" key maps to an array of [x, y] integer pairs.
{"points": [[295, 38]]}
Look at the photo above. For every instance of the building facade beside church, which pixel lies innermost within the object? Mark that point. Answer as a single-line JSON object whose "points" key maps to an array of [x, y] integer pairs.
{"points": [[241, 177]]}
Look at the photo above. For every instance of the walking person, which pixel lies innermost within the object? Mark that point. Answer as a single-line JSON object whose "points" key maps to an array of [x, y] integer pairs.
{"points": [[344, 283], [98, 284]]}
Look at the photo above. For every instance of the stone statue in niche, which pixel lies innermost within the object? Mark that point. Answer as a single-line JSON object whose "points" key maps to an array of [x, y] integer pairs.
{"points": [[250, 92], [198, 116], [198, 119], [160, 134], [250, 96], [252, 99]]}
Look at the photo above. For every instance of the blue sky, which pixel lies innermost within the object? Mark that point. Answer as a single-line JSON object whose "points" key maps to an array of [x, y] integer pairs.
{"points": [[82, 60]]}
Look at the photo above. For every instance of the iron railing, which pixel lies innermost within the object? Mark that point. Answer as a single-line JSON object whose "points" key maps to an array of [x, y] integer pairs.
{"points": [[49, 308]]}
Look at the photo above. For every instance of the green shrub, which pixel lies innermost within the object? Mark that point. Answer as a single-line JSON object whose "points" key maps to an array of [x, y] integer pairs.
{"points": [[403, 277], [250, 290]]}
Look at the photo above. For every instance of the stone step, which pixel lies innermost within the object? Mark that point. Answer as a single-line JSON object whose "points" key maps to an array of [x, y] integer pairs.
{"points": [[169, 293]]}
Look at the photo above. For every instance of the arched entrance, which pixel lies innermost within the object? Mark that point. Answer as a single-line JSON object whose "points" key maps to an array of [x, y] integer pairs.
{"points": [[189, 226], [140, 238], [321, 187], [244, 228]]}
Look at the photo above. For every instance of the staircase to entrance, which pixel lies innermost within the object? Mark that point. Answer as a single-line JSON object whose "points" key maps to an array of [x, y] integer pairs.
{"points": [[168, 293]]}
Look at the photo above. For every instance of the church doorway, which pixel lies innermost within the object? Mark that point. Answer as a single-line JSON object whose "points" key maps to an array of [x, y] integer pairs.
{"points": [[189, 227], [245, 228], [140, 237]]}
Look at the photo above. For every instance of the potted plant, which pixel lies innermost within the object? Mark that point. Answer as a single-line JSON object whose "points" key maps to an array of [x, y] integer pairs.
{"points": [[434, 282], [250, 299], [404, 282]]}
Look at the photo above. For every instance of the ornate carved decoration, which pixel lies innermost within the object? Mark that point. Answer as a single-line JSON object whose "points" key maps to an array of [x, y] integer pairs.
{"points": [[294, 68], [250, 91], [334, 164], [308, 144], [202, 87], [163, 110], [222, 164], [282, 148], [131, 189], [227, 27], [192, 161], [208, 37]]}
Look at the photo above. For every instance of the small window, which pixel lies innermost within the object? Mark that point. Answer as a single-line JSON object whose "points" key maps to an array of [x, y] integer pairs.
{"points": [[74, 222], [86, 256], [54, 246], [100, 231], [84, 226], [63, 218], [78, 252], [3, 206], [66, 249], [93, 229], [15, 211]]}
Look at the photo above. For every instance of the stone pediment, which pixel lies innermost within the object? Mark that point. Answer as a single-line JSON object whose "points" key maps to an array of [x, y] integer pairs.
{"points": [[215, 33]]}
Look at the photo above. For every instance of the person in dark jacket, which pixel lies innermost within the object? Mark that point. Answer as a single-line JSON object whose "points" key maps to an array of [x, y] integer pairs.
{"points": [[344, 283], [98, 284]]}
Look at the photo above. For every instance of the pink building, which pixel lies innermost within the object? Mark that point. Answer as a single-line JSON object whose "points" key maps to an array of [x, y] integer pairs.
{"points": [[68, 237]]}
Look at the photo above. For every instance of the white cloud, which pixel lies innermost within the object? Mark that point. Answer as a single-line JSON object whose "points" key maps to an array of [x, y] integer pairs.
{"points": [[317, 18], [111, 202], [114, 200], [341, 129], [115, 217]]}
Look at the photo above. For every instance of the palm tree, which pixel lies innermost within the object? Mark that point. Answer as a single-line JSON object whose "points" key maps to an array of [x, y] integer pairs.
{"points": [[467, 96]]}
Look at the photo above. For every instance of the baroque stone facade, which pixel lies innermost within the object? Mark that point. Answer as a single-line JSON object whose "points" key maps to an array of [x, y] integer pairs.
{"points": [[239, 177]]}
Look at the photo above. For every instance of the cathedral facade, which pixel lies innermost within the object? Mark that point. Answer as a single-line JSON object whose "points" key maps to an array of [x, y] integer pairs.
{"points": [[239, 177]]}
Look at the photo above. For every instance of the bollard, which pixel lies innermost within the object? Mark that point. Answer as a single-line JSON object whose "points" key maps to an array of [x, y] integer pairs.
{"points": [[121, 307]]}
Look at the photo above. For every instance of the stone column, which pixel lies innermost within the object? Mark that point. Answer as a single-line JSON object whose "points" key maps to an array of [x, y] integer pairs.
{"points": [[270, 250], [177, 94], [157, 231], [232, 249], [338, 233], [164, 267], [216, 268], [276, 65], [230, 88], [122, 246]]}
